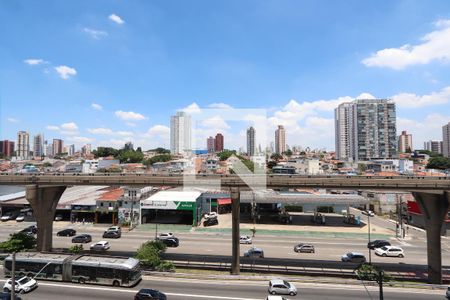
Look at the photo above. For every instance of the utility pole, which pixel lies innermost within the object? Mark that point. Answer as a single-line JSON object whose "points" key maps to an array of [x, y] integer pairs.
{"points": [[13, 276], [370, 251], [380, 283]]}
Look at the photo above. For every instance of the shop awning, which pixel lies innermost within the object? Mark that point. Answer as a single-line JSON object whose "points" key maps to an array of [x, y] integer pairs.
{"points": [[224, 201]]}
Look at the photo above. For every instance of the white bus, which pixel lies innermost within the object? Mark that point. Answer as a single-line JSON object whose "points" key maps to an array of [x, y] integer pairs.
{"points": [[107, 270]]}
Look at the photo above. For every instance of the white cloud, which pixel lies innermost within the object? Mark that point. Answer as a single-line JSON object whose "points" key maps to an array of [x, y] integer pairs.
{"points": [[108, 131], [159, 130], [96, 106], [124, 133], [12, 120], [410, 100], [115, 18], [95, 34], [80, 139], [220, 105], [215, 123], [192, 109], [34, 61], [365, 96], [52, 127], [130, 124], [115, 143], [65, 71], [71, 126], [129, 116], [434, 46]]}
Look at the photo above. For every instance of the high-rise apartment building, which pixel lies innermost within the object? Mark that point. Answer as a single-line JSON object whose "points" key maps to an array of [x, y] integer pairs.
{"points": [[210, 144], [218, 142], [38, 145], [58, 146], [251, 149], [280, 140], [7, 148], [366, 129], [71, 149], [86, 150], [405, 142], [446, 140], [180, 133], [433, 146], [23, 145]]}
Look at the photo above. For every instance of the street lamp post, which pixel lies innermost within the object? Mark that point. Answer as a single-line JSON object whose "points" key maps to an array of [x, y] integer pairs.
{"points": [[13, 276], [156, 223], [368, 225]]}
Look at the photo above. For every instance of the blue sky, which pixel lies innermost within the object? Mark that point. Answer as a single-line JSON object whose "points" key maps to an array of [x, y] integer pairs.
{"points": [[106, 72]]}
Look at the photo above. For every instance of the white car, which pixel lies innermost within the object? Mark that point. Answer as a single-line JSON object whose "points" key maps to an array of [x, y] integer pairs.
{"points": [[390, 251], [166, 235], [278, 286], [20, 218], [6, 217], [211, 215], [276, 298], [368, 213], [100, 246], [245, 239], [23, 285]]}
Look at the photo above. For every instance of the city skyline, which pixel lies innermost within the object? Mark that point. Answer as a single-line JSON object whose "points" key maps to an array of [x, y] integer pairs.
{"points": [[93, 100]]}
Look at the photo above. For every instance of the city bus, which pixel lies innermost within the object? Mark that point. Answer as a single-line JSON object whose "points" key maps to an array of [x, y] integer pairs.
{"points": [[106, 270]]}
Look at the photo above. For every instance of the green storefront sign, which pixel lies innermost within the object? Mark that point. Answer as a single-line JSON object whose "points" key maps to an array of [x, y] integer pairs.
{"points": [[186, 206]]}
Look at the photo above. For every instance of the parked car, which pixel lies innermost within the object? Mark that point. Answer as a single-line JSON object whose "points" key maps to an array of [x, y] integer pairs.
{"points": [[146, 294], [377, 244], [22, 285], [210, 222], [7, 296], [32, 229], [82, 238], [165, 235], [254, 252], [20, 218], [304, 248], [278, 286], [100, 246], [58, 218], [245, 239], [354, 257], [112, 234], [211, 215], [6, 217], [171, 242], [115, 229], [66, 232], [390, 251], [368, 213]]}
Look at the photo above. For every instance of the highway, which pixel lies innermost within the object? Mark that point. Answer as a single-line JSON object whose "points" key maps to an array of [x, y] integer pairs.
{"points": [[185, 289]]}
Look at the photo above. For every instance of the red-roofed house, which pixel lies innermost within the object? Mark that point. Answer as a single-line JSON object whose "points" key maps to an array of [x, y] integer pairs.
{"points": [[107, 206]]}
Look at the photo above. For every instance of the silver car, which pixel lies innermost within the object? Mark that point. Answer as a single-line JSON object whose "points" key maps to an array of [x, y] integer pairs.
{"points": [[278, 286]]}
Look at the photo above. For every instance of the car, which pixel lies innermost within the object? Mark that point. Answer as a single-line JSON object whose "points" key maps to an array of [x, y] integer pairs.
{"points": [[390, 251], [276, 298], [58, 218], [171, 242], [6, 217], [211, 215], [447, 294], [82, 238], [100, 246], [245, 239], [377, 244], [368, 213], [32, 229], [20, 218], [210, 222], [112, 234], [165, 235], [7, 296], [353, 257], [254, 252], [22, 285], [279, 286], [304, 248], [115, 229], [147, 294], [67, 232]]}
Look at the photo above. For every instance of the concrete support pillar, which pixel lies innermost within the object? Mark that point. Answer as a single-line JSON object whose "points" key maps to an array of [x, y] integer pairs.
{"points": [[43, 201], [434, 208], [235, 236]]}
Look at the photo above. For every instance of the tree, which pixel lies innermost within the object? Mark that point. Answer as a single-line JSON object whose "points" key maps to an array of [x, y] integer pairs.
{"points": [[288, 153], [105, 152], [139, 149], [225, 154], [161, 150], [276, 157], [150, 255], [439, 162], [157, 158], [18, 242], [130, 156], [271, 164], [46, 164]]}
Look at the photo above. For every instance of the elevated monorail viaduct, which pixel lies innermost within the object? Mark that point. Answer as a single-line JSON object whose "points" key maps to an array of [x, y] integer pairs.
{"points": [[432, 193]]}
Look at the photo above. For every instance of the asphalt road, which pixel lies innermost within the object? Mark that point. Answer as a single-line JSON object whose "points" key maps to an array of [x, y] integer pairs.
{"points": [[178, 289]]}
